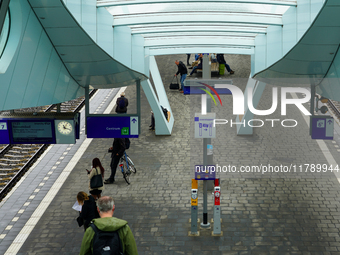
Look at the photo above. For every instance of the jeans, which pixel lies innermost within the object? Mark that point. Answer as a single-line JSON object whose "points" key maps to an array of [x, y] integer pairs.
{"points": [[226, 66], [183, 76], [113, 165], [193, 70]]}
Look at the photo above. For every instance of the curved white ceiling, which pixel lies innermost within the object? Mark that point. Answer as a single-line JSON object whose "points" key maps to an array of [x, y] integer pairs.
{"points": [[176, 23]]}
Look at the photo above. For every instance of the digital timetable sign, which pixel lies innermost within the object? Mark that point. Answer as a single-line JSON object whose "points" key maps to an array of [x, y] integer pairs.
{"points": [[32, 131], [59, 129]]}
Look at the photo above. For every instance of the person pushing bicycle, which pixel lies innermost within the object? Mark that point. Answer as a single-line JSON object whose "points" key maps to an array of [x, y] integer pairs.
{"points": [[117, 149]]}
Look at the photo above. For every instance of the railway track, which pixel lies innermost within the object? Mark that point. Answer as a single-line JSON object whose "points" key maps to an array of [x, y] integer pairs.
{"points": [[335, 107], [16, 159]]}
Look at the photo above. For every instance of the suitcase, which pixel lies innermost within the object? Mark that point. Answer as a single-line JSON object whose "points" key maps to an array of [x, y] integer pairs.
{"points": [[174, 85], [221, 69]]}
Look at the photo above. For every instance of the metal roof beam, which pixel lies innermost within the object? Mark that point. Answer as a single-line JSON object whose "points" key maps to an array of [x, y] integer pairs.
{"points": [[149, 31], [209, 18], [225, 49], [189, 34], [137, 2], [197, 40]]}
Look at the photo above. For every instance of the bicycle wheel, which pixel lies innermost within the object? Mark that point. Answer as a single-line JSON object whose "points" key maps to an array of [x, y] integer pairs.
{"points": [[132, 167], [126, 175]]}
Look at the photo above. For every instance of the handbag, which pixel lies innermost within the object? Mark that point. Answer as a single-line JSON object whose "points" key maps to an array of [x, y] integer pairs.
{"points": [[174, 85], [96, 181], [80, 221], [195, 63]]}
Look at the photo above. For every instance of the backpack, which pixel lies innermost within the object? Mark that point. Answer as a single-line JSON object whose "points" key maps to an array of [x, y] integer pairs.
{"points": [[121, 103], [105, 243], [127, 143]]}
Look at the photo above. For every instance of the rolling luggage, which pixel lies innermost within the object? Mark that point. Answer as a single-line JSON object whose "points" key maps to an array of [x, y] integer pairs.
{"points": [[221, 69], [174, 85]]}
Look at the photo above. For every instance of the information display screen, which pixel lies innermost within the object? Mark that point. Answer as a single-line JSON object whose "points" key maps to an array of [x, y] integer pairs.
{"points": [[33, 131]]}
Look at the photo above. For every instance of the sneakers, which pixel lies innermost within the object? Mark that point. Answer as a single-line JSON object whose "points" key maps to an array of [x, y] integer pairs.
{"points": [[232, 72], [108, 181], [181, 91]]}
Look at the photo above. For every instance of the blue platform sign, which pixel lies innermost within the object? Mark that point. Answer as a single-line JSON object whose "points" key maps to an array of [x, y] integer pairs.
{"points": [[205, 172], [198, 90], [4, 132], [322, 127], [112, 127]]}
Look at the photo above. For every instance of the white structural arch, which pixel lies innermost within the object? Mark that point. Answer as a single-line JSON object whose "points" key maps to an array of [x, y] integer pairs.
{"points": [[277, 34]]}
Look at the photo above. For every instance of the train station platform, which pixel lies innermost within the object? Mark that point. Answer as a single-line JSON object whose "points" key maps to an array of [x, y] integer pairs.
{"points": [[267, 213]]}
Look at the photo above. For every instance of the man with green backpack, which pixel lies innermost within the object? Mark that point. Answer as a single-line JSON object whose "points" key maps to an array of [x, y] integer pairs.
{"points": [[107, 234]]}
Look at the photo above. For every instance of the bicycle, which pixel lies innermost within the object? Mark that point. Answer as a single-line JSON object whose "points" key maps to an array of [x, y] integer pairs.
{"points": [[127, 167]]}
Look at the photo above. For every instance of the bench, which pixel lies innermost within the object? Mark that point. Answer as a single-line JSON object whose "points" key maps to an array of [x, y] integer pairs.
{"points": [[215, 68]]}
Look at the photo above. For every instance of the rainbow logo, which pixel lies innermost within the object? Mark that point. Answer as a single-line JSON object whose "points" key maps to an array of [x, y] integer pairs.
{"points": [[208, 92]]}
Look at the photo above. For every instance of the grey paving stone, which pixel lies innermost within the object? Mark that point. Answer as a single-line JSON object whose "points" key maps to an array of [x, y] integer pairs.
{"points": [[275, 214]]}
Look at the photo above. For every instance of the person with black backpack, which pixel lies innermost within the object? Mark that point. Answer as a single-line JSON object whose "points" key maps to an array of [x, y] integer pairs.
{"points": [[122, 103], [107, 234]]}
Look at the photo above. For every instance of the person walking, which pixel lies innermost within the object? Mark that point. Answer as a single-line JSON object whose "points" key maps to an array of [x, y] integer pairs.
{"points": [[108, 223], [188, 58], [122, 103], [182, 69], [97, 169], [89, 209], [221, 60], [117, 149]]}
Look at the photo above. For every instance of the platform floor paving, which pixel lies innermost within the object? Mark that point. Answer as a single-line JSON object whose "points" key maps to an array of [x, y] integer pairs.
{"points": [[277, 213]]}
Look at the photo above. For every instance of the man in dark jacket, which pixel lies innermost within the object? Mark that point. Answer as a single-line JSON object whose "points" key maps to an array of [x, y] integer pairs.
{"points": [[108, 223], [182, 69], [221, 60], [122, 106], [117, 149]]}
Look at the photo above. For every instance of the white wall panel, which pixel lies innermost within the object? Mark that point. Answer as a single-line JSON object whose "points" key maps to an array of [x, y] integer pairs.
{"points": [[303, 17], [274, 44], [74, 7], [289, 30], [137, 57], [315, 8], [89, 17], [260, 53], [122, 45], [105, 30]]}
